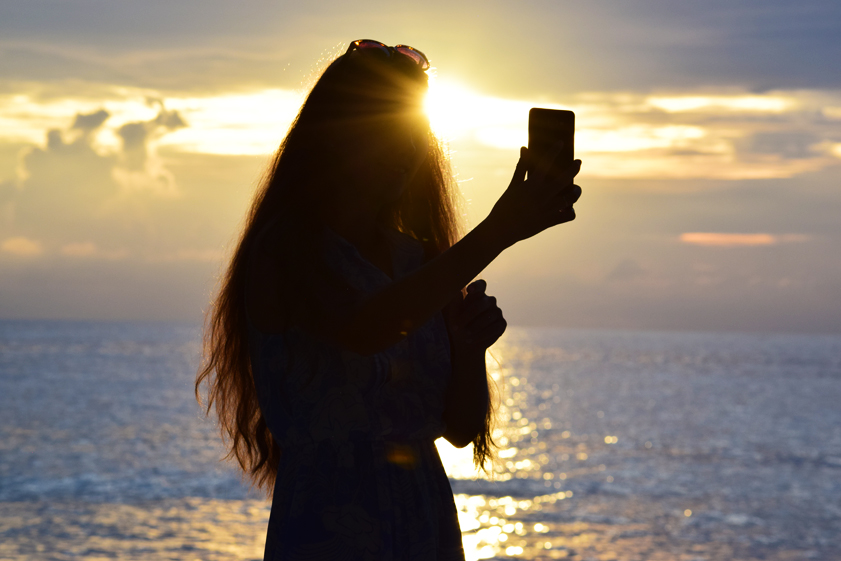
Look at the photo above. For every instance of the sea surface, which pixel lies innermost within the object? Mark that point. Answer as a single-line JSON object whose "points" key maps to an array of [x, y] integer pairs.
{"points": [[613, 445]]}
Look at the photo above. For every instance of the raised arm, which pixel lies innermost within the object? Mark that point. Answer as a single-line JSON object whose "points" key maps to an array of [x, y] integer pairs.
{"points": [[385, 317], [525, 209]]}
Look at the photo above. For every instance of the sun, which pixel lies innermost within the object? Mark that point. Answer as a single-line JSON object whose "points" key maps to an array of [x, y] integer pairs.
{"points": [[457, 112], [449, 108]]}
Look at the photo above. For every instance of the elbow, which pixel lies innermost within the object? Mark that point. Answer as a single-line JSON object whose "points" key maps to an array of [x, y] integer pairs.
{"points": [[462, 437], [457, 441], [462, 428], [467, 441]]}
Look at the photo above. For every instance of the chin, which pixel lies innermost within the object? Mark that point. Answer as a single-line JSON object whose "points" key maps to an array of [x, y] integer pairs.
{"points": [[393, 191], [393, 198]]}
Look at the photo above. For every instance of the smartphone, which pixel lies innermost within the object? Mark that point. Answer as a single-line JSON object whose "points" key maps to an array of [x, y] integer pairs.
{"points": [[546, 128]]}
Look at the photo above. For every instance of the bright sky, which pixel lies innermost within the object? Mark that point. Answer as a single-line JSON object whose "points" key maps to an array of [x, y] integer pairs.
{"points": [[133, 135]]}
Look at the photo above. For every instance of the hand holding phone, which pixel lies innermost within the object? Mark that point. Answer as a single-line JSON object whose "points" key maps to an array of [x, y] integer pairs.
{"points": [[530, 206]]}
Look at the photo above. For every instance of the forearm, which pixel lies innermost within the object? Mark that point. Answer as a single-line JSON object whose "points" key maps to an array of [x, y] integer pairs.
{"points": [[387, 316], [466, 401]]}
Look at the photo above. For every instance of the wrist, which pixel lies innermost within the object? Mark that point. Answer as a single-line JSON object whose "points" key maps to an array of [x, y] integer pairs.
{"points": [[492, 236]]}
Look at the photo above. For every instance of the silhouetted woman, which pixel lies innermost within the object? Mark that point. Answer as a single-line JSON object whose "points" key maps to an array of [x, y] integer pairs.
{"points": [[342, 342]]}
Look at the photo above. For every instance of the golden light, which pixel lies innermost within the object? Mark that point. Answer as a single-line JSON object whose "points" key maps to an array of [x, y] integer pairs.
{"points": [[739, 103], [457, 112], [21, 246], [636, 137], [619, 135], [25, 117], [457, 462], [727, 240], [234, 124]]}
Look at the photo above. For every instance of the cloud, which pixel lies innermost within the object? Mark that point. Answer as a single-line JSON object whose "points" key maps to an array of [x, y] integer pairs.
{"points": [[75, 186], [740, 103], [21, 246], [718, 134], [136, 138], [8, 189], [600, 44], [63, 184], [626, 270], [89, 250], [718, 239], [199, 255], [79, 249], [728, 135], [90, 122], [786, 144]]}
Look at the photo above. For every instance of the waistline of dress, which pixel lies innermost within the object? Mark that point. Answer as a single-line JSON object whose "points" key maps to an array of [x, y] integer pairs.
{"points": [[359, 440]]}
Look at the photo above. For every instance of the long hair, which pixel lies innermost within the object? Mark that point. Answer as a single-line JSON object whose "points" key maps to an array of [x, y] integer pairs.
{"points": [[298, 177]]}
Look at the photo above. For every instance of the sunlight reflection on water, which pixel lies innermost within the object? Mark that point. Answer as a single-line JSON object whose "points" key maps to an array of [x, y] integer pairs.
{"points": [[612, 445], [490, 524], [189, 529]]}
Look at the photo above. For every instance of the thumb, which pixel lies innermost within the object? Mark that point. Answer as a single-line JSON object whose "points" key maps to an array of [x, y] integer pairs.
{"points": [[451, 312], [522, 166]]}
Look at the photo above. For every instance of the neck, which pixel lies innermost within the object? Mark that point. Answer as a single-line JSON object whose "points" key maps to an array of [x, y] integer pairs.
{"points": [[355, 220]]}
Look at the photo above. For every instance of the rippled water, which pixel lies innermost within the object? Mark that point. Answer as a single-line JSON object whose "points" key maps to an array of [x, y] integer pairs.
{"points": [[614, 445]]}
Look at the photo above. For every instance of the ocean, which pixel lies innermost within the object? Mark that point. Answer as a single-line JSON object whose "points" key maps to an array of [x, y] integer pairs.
{"points": [[613, 445]]}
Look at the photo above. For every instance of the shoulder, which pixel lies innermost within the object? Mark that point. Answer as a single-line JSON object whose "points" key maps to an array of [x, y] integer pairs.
{"points": [[295, 279]]}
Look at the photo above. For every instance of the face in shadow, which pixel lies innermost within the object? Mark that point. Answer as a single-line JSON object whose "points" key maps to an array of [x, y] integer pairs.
{"points": [[380, 154]]}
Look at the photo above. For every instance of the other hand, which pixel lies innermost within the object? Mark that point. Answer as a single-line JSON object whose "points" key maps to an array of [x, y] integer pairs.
{"points": [[474, 322]]}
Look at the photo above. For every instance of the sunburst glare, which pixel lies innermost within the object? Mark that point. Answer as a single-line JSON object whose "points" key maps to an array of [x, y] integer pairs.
{"points": [[455, 111]]}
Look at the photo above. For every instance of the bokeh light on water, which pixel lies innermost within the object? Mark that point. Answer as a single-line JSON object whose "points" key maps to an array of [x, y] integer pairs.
{"points": [[188, 529], [616, 445], [613, 445], [493, 525]]}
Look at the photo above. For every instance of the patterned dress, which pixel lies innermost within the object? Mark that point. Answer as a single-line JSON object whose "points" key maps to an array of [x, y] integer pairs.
{"points": [[359, 477]]}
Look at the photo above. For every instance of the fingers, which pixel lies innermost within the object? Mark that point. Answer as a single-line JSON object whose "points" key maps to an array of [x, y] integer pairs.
{"points": [[473, 302], [566, 174], [557, 180], [565, 198], [564, 216], [477, 305], [488, 335], [561, 207], [484, 320], [477, 286], [574, 194], [540, 168], [480, 320]]}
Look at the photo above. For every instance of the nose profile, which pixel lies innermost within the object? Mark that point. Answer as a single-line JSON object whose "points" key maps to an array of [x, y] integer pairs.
{"points": [[407, 145]]}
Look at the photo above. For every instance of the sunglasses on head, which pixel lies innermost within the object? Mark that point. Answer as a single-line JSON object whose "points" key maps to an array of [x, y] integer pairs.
{"points": [[371, 46]]}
